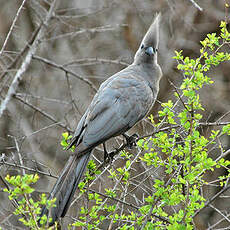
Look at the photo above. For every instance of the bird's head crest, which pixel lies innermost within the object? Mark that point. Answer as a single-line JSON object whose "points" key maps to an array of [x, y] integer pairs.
{"points": [[149, 45]]}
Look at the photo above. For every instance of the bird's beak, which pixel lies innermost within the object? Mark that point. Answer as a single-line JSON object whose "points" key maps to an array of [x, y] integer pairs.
{"points": [[149, 51]]}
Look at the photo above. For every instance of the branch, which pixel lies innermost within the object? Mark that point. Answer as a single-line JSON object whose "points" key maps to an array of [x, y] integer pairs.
{"points": [[53, 100], [39, 130], [196, 5], [81, 31], [19, 155], [61, 67], [155, 202], [218, 211], [223, 155], [115, 199], [27, 60], [43, 113], [211, 200], [61, 12], [96, 60], [27, 168], [177, 92], [12, 26], [218, 222], [177, 126], [213, 123], [125, 145], [21, 53]]}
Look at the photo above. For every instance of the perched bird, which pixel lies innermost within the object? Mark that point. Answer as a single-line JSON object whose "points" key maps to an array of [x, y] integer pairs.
{"points": [[121, 101]]}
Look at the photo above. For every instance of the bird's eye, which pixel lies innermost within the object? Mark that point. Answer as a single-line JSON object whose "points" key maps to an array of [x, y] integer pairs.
{"points": [[142, 46]]}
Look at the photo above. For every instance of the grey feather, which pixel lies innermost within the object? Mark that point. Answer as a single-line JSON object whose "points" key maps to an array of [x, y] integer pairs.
{"points": [[121, 101]]}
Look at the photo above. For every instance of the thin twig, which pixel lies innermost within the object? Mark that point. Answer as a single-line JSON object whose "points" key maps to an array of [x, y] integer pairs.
{"points": [[14, 201], [74, 106], [217, 223], [13, 87], [21, 53], [211, 200], [61, 13], [189, 169], [61, 67], [196, 5], [19, 155], [155, 202], [44, 114], [223, 155], [52, 100], [96, 60], [27, 168], [81, 31], [177, 92], [218, 211], [12, 26], [39, 130], [115, 199], [213, 123]]}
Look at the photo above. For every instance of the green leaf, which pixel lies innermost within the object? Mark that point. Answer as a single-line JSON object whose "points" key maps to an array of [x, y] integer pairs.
{"points": [[65, 135]]}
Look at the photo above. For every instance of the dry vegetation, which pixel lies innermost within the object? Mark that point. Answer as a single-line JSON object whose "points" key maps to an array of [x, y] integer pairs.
{"points": [[54, 57]]}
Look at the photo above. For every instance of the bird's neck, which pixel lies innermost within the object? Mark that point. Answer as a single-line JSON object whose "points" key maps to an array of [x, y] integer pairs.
{"points": [[145, 60], [150, 72]]}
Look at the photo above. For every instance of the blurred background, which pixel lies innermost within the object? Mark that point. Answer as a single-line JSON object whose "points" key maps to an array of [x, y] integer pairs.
{"points": [[82, 44]]}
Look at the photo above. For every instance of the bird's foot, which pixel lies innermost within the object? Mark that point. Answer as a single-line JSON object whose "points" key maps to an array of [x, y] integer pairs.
{"points": [[131, 140], [108, 155], [111, 155]]}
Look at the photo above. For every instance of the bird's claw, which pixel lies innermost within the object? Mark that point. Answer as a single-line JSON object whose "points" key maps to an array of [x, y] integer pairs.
{"points": [[108, 155], [131, 140]]}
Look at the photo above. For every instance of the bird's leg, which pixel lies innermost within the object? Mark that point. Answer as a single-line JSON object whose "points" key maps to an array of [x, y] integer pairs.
{"points": [[107, 154], [130, 140]]}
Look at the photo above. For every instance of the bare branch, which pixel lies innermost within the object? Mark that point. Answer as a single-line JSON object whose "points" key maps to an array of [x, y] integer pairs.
{"points": [[95, 60], [91, 30], [196, 5], [217, 123], [217, 223], [43, 98], [218, 211], [26, 62], [12, 26], [61, 67], [177, 92], [19, 155], [43, 113], [212, 199], [27, 168], [21, 53], [115, 199], [37, 131]]}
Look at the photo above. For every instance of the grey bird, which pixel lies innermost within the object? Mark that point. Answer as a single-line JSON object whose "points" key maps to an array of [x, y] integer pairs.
{"points": [[121, 101]]}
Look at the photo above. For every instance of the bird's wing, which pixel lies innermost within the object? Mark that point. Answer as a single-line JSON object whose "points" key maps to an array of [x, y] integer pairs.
{"points": [[117, 107]]}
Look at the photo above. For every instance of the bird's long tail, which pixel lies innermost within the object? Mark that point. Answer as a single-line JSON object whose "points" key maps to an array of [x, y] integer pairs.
{"points": [[66, 186]]}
